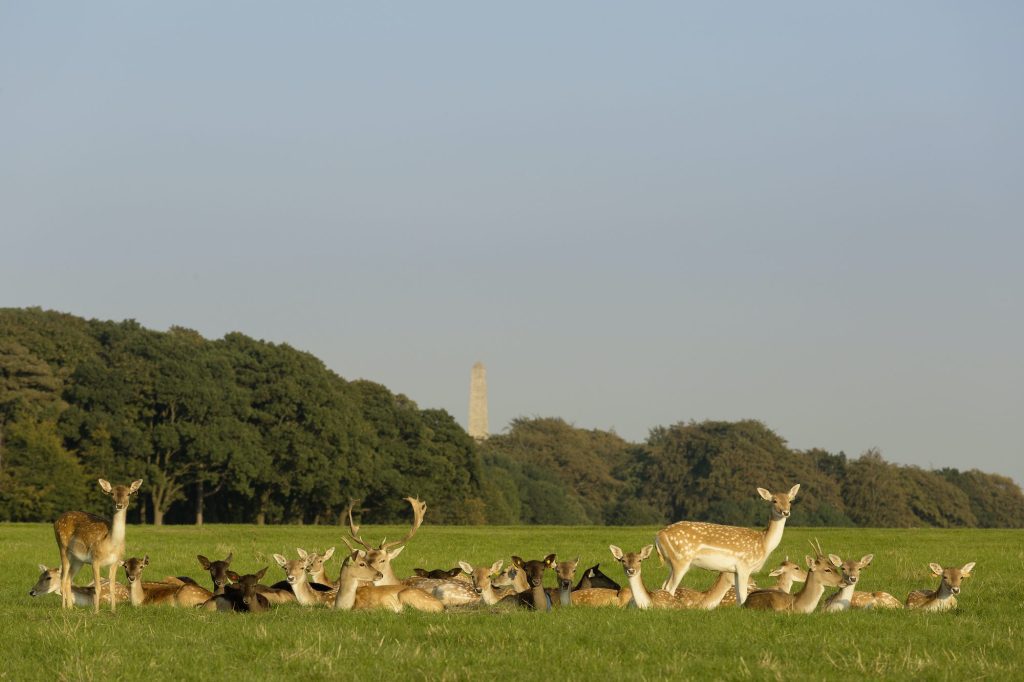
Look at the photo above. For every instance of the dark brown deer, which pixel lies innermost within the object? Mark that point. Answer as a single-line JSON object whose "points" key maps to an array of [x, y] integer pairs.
{"points": [[242, 596], [438, 573], [535, 597], [218, 571], [593, 578]]}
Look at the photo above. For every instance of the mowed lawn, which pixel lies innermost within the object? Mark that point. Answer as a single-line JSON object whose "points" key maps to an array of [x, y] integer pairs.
{"points": [[983, 639]]}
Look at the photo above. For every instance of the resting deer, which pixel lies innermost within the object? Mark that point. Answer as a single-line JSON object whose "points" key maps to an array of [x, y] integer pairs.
{"points": [[357, 569], [637, 594], [535, 597], [786, 574], [160, 593], [711, 598], [218, 571], [49, 582], [242, 596], [565, 573], [741, 551], [848, 597], [316, 570], [822, 572], [84, 538], [480, 578], [944, 598], [439, 573], [380, 557], [594, 578], [295, 572]]}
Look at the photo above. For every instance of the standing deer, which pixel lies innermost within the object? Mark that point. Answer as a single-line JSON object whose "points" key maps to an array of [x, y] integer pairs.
{"points": [[84, 538], [357, 569], [822, 572], [49, 581], [380, 557], [711, 598], [740, 551], [160, 593], [943, 598], [637, 594]]}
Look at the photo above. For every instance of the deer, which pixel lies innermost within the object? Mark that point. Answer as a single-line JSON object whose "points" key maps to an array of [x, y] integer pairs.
{"points": [[242, 596], [740, 551], [160, 593], [49, 582], [316, 570], [380, 557], [451, 591], [565, 572], [637, 594], [218, 571], [711, 598], [84, 538], [846, 596], [785, 575], [534, 597], [822, 571], [480, 578], [438, 573], [944, 598], [353, 595], [295, 573], [594, 578]]}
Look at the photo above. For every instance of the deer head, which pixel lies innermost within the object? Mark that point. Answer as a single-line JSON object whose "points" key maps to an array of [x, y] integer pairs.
{"points": [[481, 577], [121, 493], [952, 577], [294, 570], [246, 586], [357, 567], [133, 567], [534, 570], [565, 573], [781, 502], [49, 581], [789, 570], [825, 569], [631, 561], [851, 568], [380, 557], [218, 571], [315, 566]]}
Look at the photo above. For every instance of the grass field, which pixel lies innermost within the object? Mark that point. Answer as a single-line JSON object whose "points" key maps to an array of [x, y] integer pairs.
{"points": [[983, 639]]}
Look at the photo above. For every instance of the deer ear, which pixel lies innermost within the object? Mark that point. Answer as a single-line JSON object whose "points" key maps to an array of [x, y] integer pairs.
{"points": [[776, 573], [549, 559], [263, 572], [495, 567], [105, 485], [145, 560], [233, 577], [793, 491], [765, 495], [866, 560], [576, 562], [228, 559], [43, 568], [395, 552], [134, 487], [967, 568], [936, 568], [203, 561], [281, 561], [302, 553], [328, 554], [836, 561], [646, 552], [465, 567], [616, 552], [809, 560], [517, 562]]}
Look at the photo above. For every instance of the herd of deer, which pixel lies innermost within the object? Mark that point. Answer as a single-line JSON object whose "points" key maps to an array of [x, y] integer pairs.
{"points": [[368, 581]]}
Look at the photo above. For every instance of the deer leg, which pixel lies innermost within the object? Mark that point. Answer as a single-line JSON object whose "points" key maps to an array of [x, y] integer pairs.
{"points": [[66, 598], [110, 586], [742, 576], [96, 587], [677, 569]]}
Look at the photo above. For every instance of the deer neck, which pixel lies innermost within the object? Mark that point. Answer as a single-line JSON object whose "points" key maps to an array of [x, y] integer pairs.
{"points": [[842, 599], [489, 596], [346, 597], [641, 596], [943, 594], [117, 527], [135, 592], [807, 599], [540, 598], [389, 576], [773, 534], [565, 595], [304, 594], [321, 577], [785, 582]]}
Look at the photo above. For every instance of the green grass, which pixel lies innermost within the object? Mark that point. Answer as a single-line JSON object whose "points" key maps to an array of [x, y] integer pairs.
{"points": [[983, 639]]}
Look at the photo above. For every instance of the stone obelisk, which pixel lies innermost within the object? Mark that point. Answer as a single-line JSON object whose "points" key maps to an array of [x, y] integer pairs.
{"points": [[478, 402]]}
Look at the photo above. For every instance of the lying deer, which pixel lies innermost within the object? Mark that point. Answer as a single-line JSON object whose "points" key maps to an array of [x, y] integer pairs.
{"points": [[49, 582], [353, 595], [218, 571], [944, 598], [241, 596], [594, 578], [849, 598], [565, 573], [711, 598], [535, 597], [480, 578], [822, 572], [295, 573], [84, 538], [785, 575], [315, 567], [380, 557], [637, 594], [730, 549], [160, 593], [438, 573]]}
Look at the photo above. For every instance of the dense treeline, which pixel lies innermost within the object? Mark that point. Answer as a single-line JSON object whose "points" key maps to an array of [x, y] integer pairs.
{"points": [[240, 430]]}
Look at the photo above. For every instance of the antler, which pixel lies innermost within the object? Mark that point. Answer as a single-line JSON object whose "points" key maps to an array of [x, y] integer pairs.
{"points": [[816, 546], [419, 508], [353, 530]]}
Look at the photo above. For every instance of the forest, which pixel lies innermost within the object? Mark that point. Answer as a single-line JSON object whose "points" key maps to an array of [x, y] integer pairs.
{"points": [[245, 431]]}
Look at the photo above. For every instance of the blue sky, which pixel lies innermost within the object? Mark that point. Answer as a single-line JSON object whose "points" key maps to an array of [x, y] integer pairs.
{"points": [[633, 214]]}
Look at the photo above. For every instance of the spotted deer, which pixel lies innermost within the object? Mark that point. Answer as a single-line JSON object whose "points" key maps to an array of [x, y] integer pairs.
{"points": [[160, 593], [822, 571], [848, 597], [380, 557], [712, 597], [785, 575], [740, 551], [84, 538], [49, 582], [241, 596], [354, 595], [481, 581], [295, 573], [637, 594], [944, 598]]}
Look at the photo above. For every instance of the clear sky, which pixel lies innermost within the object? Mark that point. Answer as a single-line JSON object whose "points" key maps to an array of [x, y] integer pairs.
{"points": [[632, 213]]}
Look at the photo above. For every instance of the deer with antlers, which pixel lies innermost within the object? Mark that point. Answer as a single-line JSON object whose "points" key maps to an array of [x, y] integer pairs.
{"points": [[84, 538], [740, 551], [822, 571], [944, 598], [353, 594], [380, 557]]}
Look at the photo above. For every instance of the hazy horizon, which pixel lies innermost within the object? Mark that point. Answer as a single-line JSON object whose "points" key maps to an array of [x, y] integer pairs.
{"points": [[632, 215]]}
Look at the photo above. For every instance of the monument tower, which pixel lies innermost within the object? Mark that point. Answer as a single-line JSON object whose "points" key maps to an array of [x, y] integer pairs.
{"points": [[478, 402]]}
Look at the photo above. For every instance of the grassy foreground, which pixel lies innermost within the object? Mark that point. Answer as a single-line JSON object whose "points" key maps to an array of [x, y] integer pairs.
{"points": [[981, 640]]}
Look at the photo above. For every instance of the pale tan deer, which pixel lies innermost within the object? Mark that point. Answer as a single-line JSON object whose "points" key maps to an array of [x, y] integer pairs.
{"points": [[353, 595], [481, 581], [49, 582], [84, 538], [848, 597], [822, 572], [944, 598], [785, 575], [316, 570], [161, 593], [565, 573], [295, 573], [711, 598], [451, 591], [380, 557], [740, 551], [637, 594]]}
